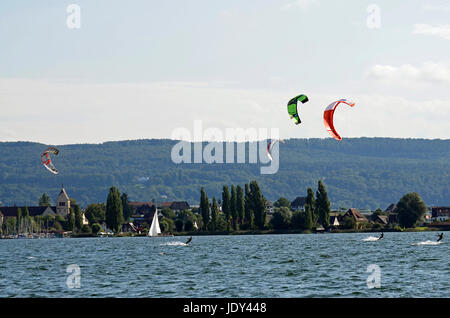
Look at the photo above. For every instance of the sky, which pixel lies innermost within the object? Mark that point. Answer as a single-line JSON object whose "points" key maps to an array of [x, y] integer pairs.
{"points": [[143, 69]]}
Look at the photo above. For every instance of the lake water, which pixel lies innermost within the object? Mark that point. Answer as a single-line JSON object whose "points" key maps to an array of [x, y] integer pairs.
{"points": [[314, 265]]}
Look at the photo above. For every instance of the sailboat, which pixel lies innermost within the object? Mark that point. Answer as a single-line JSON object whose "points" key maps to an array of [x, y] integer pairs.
{"points": [[154, 228]]}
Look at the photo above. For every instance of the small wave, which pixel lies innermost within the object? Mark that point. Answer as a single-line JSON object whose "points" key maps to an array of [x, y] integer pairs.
{"points": [[427, 243], [174, 244], [370, 239], [287, 261], [428, 259]]}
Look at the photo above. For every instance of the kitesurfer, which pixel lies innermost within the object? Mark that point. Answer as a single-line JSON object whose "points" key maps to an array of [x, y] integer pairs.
{"points": [[189, 240], [440, 236], [381, 236]]}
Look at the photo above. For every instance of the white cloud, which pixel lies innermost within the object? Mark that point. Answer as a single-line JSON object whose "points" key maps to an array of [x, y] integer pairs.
{"points": [[407, 74], [442, 31], [69, 112], [302, 4]]}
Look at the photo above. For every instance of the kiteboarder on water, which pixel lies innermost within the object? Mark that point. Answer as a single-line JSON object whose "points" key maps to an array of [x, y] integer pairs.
{"points": [[381, 236], [440, 236], [189, 240]]}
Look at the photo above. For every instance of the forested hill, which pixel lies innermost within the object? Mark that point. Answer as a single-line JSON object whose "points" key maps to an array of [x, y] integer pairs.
{"points": [[358, 172]]}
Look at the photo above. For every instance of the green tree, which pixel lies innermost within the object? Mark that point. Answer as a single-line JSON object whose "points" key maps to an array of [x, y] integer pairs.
{"points": [[308, 225], [221, 224], [298, 220], [75, 208], [44, 200], [204, 208], [214, 214], [127, 210], [114, 210], [71, 221], [11, 225], [57, 226], [188, 225], [323, 208], [19, 219], [95, 213], [86, 229], [168, 213], [226, 205], [311, 206], [410, 209], [249, 218], [96, 228], [233, 207], [164, 226], [240, 204], [179, 225], [348, 223], [282, 202], [281, 218], [169, 225], [258, 204]]}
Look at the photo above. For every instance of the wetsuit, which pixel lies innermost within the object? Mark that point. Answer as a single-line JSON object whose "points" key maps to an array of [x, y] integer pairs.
{"points": [[381, 236], [440, 236], [189, 240]]}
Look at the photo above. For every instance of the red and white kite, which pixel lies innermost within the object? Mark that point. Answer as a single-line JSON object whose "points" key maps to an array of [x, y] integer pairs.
{"points": [[328, 117]]}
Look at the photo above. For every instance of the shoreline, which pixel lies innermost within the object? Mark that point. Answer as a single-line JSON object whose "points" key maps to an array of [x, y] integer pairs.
{"points": [[249, 232]]}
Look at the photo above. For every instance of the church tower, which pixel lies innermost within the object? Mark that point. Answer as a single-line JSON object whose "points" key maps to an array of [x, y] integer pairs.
{"points": [[63, 203]]}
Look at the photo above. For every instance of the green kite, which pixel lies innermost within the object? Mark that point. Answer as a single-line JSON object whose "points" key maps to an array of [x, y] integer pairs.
{"points": [[292, 107]]}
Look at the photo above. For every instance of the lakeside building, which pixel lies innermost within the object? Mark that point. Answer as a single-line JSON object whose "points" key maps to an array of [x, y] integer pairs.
{"points": [[356, 215], [391, 208], [440, 213], [10, 212], [269, 207], [298, 204], [176, 206], [61, 208], [382, 219]]}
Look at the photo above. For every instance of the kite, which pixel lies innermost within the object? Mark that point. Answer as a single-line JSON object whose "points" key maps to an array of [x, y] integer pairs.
{"points": [[292, 107], [328, 117], [47, 162]]}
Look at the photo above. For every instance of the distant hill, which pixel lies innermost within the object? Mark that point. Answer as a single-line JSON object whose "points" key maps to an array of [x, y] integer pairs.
{"points": [[357, 172]]}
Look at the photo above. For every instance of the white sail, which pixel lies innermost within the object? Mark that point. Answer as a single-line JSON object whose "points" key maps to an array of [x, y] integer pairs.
{"points": [[154, 228]]}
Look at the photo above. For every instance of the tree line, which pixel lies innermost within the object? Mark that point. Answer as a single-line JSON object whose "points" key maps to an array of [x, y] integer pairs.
{"points": [[238, 209], [246, 209]]}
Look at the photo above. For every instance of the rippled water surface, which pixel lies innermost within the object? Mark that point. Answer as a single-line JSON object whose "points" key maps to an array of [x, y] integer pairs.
{"points": [[314, 265]]}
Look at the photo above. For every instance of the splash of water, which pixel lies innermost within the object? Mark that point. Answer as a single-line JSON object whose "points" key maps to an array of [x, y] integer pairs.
{"points": [[428, 242], [370, 239], [175, 244]]}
